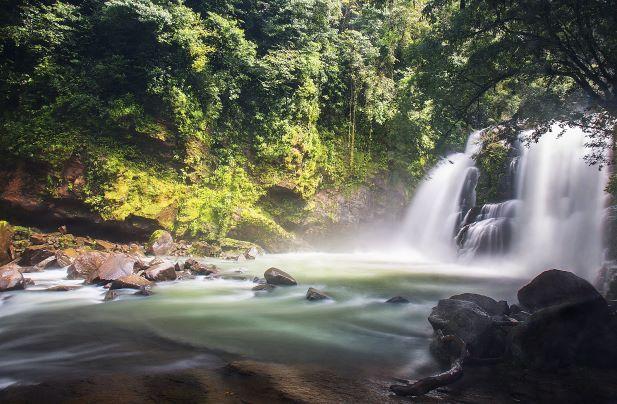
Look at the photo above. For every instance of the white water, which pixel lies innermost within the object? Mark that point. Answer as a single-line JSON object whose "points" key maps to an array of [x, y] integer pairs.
{"points": [[435, 209], [555, 219]]}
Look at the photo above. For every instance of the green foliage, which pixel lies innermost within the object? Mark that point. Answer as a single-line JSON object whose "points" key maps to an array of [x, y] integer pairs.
{"points": [[492, 160]]}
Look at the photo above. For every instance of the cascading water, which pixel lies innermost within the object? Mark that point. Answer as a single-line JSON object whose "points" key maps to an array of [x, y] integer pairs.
{"points": [[436, 208], [554, 220]]}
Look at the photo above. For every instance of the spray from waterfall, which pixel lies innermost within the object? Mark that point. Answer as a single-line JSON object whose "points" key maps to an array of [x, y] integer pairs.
{"points": [[554, 220]]}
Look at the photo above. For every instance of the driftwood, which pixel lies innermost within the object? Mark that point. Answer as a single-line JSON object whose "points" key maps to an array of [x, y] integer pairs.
{"points": [[423, 386]]}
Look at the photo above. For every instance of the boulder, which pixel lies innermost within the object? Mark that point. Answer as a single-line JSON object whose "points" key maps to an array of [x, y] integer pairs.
{"points": [[488, 304], [164, 271], [313, 295], [11, 279], [275, 276], [35, 254], [103, 245], [145, 290], [131, 281], [397, 300], [184, 275], [161, 243], [200, 269], [86, 265], [554, 287], [570, 324], [6, 242], [38, 238], [116, 266], [472, 324]]}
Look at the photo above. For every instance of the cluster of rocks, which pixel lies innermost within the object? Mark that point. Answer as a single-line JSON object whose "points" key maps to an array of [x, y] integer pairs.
{"points": [[560, 320]]}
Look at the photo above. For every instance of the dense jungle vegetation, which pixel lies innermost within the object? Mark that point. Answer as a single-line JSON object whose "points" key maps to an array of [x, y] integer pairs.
{"points": [[190, 112]]}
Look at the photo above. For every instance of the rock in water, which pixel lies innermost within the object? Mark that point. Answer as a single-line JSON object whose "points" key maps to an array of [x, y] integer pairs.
{"points": [[313, 294], [116, 266], [6, 240], [555, 287], [570, 324], [110, 295], [164, 271], [397, 300], [11, 279], [34, 254], [275, 276], [145, 291], [161, 243], [131, 281], [488, 304], [264, 287], [86, 265], [472, 324]]}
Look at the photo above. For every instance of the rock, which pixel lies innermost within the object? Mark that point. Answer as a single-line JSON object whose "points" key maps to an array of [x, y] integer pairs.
{"points": [[260, 281], [264, 287], [554, 287], [95, 266], [11, 279], [313, 294], [184, 275], [488, 304], [161, 243], [275, 276], [251, 253], [136, 250], [145, 291], [164, 271], [103, 245], [34, 254], [200, 269], [110, 295], [6, 242], [607, 280], [62, 229], [397, 300], [62, 288], [63, 259], [570, 324], [38, 238], [131, 281], [472, 324]]}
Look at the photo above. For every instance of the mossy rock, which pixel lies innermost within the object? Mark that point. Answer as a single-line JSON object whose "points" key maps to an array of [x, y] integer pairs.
{"points": [[256, 227], [6, 241]]}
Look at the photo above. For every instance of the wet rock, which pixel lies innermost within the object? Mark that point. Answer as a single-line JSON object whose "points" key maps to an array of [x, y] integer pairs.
{"points": [[164, 271], [251, 253], [397, 300], [264, 287], [184, 275], [62, 288], [570, 324], [131, 281], [103, 245], [115, 266], [11, 279], [161, 243], [260, 281], [6, 243], [200, 269], [313, 294], [275, 276], [554, 287], [110, 295], [472, 324], [34, 254], [38, 238], [86, 265], [488, 304], [145, 290]]}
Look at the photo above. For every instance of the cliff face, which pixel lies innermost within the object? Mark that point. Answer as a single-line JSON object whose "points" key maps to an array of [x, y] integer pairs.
{"points": [[35, 195]]}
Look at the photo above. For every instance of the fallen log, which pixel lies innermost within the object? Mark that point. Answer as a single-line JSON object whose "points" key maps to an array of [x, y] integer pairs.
{"points": [[423, 386]]}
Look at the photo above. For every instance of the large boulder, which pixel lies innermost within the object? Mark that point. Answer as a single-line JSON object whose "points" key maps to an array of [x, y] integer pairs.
{"points": [[161, 243], [488, 304], [163, 271], [11, 279], [275, 276], [131, 281], [198, 268], [96, 266], [35, 254], [484, 337], [554, 287], [570, 324], [6, 240]]}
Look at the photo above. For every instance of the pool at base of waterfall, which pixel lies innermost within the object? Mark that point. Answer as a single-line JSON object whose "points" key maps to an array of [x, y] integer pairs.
{"points": [[206, 323]]}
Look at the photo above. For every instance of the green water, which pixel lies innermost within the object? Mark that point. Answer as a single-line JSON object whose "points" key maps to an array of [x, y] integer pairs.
{"points": [[204, 322]]}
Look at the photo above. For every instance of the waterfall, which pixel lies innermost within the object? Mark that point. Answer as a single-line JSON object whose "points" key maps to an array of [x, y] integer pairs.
{"points": [[436, 208], [554, 220]]}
